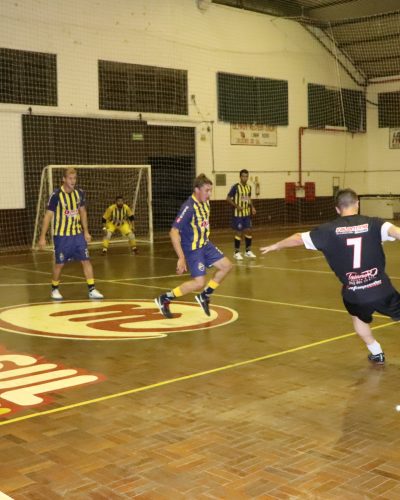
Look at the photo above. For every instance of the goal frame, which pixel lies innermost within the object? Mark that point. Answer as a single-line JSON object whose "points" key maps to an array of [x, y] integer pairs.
{"points": [[47, 175]]}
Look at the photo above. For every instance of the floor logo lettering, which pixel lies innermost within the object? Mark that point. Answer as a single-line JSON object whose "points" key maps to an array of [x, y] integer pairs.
{"points": [[26, 381]]}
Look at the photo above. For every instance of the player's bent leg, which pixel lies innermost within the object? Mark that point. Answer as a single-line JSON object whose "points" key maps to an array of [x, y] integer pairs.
{"points": [[197, 283], [127, 230], [223, 266], [364, 331], [163, 301], [132, 243], [106, 242]]}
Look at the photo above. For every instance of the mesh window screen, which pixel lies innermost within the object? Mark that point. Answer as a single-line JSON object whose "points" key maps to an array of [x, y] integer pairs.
{"points": [[135, 87], [389, 109], [247, 99], [336, 108], [28, 77]]}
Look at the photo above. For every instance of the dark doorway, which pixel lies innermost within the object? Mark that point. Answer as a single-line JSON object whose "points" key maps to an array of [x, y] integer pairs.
{"points": [[172, 182]]}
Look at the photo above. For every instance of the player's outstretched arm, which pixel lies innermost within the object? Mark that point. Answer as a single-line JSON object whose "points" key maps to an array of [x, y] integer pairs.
{"points": [[292, 241], [394, 232]]}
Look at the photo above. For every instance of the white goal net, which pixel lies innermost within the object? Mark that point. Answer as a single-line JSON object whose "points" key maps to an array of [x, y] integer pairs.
{"points": [[102, 184]]}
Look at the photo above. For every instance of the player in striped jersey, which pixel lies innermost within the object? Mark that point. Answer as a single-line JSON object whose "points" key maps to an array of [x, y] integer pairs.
{"points": [[190, 239], [119, 216], [239, 197], [67, 209]]}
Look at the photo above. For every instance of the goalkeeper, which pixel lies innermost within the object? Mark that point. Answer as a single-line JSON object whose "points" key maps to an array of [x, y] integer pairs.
{"points": [[119, 216]]}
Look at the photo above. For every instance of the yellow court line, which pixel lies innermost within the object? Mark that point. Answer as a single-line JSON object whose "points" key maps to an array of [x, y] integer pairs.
{"points": [[188, 377]]}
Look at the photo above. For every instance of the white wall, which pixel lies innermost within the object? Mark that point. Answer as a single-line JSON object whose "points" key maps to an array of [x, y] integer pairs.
{"points": [[176, 34], [12, 193]]}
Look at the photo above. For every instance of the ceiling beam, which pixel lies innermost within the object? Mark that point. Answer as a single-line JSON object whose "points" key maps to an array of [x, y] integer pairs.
{"points": [[353, 9]]}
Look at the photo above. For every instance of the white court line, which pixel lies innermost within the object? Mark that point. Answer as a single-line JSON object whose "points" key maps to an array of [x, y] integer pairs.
{"points": [[81, 278], [99, 280], [3, 496], [319, 257], [297, 270], [249, 299], [217, 295]]}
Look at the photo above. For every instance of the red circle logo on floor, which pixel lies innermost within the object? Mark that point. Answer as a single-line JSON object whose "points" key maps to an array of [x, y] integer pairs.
{"points": [[110, 319]]}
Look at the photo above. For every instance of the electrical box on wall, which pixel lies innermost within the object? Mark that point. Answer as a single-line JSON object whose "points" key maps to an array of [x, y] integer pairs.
{"points": [[220, 179], [290, 192], [309, 188]]}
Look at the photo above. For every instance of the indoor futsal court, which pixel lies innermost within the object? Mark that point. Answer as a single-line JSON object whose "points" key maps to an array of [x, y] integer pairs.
{"points": [[280, 402], [110, 113]]}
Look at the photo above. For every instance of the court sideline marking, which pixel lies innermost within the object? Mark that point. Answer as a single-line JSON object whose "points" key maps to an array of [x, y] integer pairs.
{"points": [[250, 299], [188, 377], [258, 266]]}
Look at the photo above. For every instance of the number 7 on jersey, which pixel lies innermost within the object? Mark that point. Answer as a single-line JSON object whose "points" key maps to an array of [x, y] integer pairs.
{"points": [[356, 243]]}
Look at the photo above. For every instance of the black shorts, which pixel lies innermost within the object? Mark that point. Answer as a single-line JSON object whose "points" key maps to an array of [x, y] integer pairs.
{"points": [[388, 306]]}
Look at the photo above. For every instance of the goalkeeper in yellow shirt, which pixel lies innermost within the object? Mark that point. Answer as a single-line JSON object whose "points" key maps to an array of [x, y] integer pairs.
{"points": [[119, 216]]}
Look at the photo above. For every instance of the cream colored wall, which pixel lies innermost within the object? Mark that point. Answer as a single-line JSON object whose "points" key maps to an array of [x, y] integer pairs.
{"points": [[384, 163], [176, 34]]}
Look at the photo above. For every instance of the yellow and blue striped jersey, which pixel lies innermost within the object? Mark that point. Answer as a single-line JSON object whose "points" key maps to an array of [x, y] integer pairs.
{"points": [[118, 215], [193, 223], [66, 220], [241, 195]]}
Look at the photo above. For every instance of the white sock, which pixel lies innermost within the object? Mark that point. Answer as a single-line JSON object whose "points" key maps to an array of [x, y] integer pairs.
{"points": [[375, 348]]}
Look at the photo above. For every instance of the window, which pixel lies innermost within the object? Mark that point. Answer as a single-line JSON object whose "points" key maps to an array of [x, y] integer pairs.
{"points": [[247, 99], [28, 77], [328, 106], [389, 109], [134, 87]]}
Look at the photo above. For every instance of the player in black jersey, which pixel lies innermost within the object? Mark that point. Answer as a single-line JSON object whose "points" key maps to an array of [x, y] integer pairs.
{"points": [[352, 245]]}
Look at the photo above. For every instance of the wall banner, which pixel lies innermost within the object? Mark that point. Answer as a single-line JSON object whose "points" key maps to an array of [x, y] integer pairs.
{"points": [[253, 135]]}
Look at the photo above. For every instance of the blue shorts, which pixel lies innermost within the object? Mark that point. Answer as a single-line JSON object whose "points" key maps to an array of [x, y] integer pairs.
{"points": [[198, 260], [241, 223], [70, 248]]}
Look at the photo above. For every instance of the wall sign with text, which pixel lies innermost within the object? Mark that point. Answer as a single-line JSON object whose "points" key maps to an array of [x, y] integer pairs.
{"points": [[253, 135], [394, 138]]}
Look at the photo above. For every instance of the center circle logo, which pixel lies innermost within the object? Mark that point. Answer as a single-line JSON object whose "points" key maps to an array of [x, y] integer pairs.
{"points": [[110, 319]]}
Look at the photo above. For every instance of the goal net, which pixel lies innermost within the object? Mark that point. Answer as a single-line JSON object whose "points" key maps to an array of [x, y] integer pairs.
{"points": [[307, 107], [102, 184]]}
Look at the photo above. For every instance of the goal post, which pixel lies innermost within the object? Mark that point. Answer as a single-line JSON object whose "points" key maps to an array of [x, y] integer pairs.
{"points": [[102, 184]]}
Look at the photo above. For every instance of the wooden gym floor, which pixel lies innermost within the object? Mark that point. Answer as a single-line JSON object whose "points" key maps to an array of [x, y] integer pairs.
{"points": [[280, 403]]}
